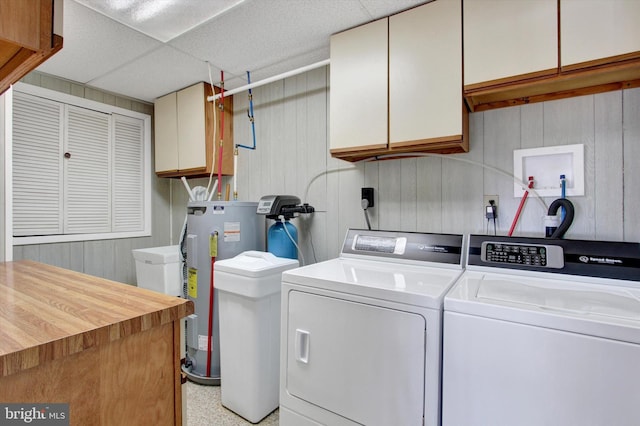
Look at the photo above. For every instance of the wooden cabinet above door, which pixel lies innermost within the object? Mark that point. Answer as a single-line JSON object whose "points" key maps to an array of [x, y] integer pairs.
{"points": [[27, 37]]}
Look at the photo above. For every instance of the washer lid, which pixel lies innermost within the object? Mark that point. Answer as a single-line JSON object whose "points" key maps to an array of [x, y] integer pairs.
{"points": [[603, 310], [618, 303], [404, 283]]}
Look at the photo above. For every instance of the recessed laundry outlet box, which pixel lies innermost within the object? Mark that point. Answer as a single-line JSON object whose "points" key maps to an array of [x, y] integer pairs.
{"points": [[249, 300], [159, 269]]}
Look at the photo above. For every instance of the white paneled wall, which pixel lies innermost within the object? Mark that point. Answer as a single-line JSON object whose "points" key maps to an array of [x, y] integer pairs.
{"points": [[434, 194]]}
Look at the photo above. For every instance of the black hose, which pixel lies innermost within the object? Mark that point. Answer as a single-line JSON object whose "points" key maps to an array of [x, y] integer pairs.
{"points": [[568, 217]]}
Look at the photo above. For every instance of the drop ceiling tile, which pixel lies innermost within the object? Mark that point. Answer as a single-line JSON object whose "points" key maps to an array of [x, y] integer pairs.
{"points": [[160, 72], [266, 37], [162, 20], [94, 45], [257, 34], [380, 8]]}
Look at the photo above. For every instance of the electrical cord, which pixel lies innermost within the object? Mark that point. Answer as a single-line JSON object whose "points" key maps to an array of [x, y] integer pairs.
{"points": [[365, 204], [491, 214]]}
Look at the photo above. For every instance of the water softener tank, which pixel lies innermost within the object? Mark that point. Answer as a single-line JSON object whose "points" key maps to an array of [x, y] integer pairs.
{"points": [[280, 243], [216, 230]]}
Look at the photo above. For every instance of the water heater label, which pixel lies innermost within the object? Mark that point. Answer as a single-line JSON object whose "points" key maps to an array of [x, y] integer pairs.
{"points": [[231, 232], [192, 283], [202, 342]]}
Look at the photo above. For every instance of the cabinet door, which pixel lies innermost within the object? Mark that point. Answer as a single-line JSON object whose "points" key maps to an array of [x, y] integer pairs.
{"points": [[166, 133], [87, 171], [597, 29], [425, 72], [191, 128], [358, 106], [503, 39]]}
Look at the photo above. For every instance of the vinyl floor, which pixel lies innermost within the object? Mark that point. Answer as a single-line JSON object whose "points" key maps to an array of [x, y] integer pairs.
{"points": [[204, 409]]}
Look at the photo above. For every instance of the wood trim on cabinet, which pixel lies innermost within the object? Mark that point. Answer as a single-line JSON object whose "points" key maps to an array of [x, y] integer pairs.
{"points": [[509, 80], [453, 144], [24, 61], [598, 79], [603, 62]]}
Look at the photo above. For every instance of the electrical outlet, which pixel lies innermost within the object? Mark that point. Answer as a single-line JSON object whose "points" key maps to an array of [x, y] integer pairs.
{"points": [[367, 194], [485, 203]]}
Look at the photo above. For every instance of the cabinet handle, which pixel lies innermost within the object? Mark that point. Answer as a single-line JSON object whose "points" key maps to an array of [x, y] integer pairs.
{"points": [[67, 155], [302, 346]]}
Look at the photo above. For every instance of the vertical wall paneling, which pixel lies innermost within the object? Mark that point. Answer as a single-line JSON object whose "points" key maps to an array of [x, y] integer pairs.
{"points": [[76, 260], [608, 192], [390, 210], [462, 185], [571, 121], [429, 194], [409, 194], [531, 125], [312, 153], [631, 159], [501, 138], [531, 136], [56, 254]]}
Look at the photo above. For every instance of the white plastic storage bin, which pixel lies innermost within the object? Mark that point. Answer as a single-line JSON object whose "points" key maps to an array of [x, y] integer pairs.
{"points": [[159, 269], [249, 302]]}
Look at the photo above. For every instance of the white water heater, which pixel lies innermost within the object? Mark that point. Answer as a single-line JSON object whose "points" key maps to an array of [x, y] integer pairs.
{"points": [[216, 230]]}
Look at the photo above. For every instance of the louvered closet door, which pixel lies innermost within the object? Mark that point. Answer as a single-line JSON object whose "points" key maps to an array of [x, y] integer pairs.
{"points": [[87, 172], [37, 166], [128, 174]]}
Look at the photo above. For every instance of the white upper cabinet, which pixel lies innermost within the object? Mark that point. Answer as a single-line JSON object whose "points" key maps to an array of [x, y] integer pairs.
{"points": [[358, 108], [396, 85], [166, 132], [505, 39], [425, 73], [597, 29], [191, 127]]}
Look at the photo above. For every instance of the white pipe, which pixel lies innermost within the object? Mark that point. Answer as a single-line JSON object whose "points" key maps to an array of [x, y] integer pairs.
{"points": [[188, 188], [270, 79], [235, 174]]}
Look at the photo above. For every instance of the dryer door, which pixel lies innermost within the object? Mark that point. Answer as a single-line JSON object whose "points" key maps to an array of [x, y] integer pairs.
{"points": [[363, 362]]}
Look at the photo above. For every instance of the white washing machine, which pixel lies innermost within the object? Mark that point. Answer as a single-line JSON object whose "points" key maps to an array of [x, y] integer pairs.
{"points": [[361, 334], [543, 332]]}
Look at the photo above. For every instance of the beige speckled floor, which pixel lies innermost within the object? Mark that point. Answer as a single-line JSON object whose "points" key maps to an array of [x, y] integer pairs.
{"points": [[204, 409]]}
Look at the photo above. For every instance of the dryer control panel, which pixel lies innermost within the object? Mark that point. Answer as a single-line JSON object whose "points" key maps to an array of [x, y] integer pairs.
{"points": [[549, 256], [404, 246]]}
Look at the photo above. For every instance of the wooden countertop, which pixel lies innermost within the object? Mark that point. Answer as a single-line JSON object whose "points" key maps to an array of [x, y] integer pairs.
{"points": [[48, 312]]}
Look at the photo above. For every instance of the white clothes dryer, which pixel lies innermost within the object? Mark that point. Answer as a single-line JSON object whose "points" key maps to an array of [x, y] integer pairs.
{"points": [[361, 334], [543, 332]]}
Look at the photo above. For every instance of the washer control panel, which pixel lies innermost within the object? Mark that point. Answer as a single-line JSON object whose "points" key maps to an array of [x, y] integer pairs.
{"points": [[547, 256]]}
